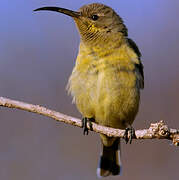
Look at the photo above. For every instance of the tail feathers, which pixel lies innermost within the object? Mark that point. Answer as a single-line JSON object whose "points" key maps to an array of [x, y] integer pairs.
{"points": [[110, 163]]}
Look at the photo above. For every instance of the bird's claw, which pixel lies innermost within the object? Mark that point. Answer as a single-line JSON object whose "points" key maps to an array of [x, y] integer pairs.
{"points": [[85, 120], [131, 132]]}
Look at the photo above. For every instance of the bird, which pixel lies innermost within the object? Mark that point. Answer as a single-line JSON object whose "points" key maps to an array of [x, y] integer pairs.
{"points": [[107, 77]]}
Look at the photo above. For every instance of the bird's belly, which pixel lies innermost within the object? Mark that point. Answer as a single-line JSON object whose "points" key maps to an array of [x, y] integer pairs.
{"points": [[110, 97], [117, 110]]}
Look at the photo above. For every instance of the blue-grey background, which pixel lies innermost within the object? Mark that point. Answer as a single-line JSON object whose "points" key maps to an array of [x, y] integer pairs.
{"points": [[37, 53]]}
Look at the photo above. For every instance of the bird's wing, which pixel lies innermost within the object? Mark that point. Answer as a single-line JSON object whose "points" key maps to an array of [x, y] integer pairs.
{"points": [[139, 66]]}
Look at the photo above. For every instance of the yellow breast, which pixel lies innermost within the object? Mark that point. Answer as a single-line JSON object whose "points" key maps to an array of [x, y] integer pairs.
{"points": [[103, 84]]}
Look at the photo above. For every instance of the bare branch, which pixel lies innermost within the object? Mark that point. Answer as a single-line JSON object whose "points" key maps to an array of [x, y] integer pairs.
{"points": [[157, 130]]}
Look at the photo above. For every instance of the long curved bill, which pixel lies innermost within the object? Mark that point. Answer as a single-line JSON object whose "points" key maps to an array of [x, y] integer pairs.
{"points": [[60, 10]]}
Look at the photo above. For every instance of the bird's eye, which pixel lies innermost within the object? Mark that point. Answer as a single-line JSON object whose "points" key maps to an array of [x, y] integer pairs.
{"points": [[94, 17]]}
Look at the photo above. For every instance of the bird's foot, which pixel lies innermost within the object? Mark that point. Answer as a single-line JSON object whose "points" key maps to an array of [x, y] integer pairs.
{"points": [[129, 134], [85, 120]]}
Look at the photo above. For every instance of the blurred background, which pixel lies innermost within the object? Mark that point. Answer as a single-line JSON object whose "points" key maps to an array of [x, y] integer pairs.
{"points": [[37, 54]]}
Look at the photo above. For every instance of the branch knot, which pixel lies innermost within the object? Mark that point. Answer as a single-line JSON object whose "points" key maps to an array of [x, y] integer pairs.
{"points": [[160, 130]]}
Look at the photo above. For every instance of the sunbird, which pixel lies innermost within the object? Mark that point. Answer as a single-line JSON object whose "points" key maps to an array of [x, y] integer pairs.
{"points": [[107, 77]]}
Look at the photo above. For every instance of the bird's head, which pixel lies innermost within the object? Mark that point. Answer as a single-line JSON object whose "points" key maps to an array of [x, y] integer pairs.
{"points": [[96, 22]]}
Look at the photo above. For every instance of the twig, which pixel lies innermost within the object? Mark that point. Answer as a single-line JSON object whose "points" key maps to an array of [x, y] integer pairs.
{"points": [[157, 130]]}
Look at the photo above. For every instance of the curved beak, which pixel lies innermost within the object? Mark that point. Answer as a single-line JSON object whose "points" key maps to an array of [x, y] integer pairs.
{"points": [[60, 10]]}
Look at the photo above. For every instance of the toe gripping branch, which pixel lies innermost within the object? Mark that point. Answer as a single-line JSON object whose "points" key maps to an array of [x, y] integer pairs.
{"points": [[129, 134], [86, 120]]}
